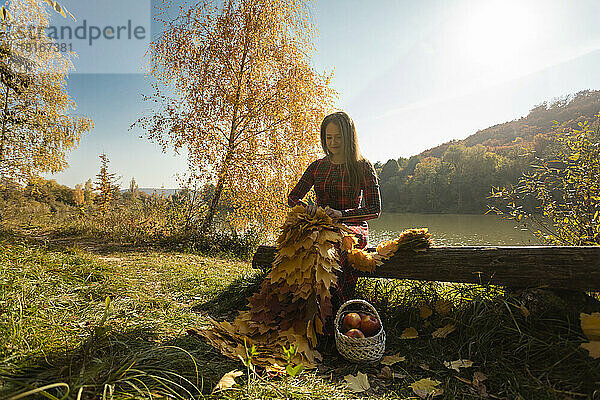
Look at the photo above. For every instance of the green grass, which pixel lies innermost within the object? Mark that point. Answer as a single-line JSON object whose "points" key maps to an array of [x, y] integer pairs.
{"points": [[55, 329]]}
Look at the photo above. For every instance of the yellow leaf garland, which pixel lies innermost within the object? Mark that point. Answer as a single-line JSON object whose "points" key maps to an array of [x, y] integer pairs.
{"points": [[409, 240], [293, 300]]}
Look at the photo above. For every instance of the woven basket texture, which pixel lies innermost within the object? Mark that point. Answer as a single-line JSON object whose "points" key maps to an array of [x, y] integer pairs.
{"points": [[359, 350]]}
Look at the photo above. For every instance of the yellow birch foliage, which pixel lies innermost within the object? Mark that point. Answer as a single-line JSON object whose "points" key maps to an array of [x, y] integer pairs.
{"points": [[235, 88], [37, 126]]}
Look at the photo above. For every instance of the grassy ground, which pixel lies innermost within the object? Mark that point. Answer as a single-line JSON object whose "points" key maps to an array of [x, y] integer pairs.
{"points": [[56, 329]]}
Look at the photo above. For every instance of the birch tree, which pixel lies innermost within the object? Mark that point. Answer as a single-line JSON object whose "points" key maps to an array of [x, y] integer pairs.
{"points": [[234, 86], [37, 121]]}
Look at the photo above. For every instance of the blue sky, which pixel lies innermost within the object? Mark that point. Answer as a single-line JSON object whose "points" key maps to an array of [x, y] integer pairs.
{"points": [[412, 74]]}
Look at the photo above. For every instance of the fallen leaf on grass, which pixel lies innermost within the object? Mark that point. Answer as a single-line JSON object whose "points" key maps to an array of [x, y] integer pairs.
{"points": [[458, 364], [444, 331], [425, 311], [385, 373], [593, 347], [476, 384], [227, 381], [590, 325], [465, 380], [409, 333], [443, 307], [478, 377], [357, 383], [426, 388], [391, 360]]}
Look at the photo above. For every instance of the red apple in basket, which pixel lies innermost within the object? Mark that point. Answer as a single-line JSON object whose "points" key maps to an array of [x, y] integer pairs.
{"points": [[370, 325], [355, 333], [351, 321]]}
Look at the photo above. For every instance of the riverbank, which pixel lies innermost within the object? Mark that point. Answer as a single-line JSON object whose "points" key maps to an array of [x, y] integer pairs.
{"points": [[56, 329]]}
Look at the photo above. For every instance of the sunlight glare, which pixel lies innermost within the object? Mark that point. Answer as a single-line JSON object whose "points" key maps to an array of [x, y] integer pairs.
{"points": [[493, 32]]}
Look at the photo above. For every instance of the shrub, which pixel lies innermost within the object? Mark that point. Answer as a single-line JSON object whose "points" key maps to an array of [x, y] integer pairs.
{"points": [[560, 198]]}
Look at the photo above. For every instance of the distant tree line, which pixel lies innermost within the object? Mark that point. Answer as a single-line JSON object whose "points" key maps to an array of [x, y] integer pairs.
{"points": [[457, 177], [457, 182]]}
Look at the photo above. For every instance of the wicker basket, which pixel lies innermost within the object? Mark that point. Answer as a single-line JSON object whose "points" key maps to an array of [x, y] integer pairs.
{"points": [[359, 350]]}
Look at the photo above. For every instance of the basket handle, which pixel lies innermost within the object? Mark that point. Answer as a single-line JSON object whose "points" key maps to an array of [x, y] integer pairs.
{"points": [[360, 301]]}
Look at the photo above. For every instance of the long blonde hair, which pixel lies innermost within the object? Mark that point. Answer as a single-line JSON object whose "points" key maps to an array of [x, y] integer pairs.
{"points": [[352, 157]]}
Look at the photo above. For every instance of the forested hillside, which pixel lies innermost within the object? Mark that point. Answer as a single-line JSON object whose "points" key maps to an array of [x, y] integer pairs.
{"points": [[456, 177]]}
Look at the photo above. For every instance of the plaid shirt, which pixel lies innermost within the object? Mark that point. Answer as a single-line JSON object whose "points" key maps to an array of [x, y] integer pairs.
{"points": [[332, 188]]}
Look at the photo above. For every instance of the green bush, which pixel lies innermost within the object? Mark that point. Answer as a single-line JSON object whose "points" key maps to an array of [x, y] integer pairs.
{"points": [[559, 200], [240, 245]]}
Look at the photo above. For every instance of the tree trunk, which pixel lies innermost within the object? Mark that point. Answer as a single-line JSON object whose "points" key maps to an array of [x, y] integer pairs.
{"points": [[3, 138], [212, 209], [214, 203]]}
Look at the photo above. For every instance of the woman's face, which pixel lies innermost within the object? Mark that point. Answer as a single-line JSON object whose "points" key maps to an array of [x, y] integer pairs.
{"points": [[334, 140]]}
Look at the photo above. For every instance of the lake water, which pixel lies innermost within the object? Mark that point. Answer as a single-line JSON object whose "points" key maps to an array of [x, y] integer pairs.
{"points": [[452, 229]]}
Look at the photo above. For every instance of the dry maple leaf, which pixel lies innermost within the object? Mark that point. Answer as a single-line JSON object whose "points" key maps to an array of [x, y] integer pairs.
{"points": [[444, 331], [348, 242], [361, 260], [443, 307], [478, 377], [457, 364], [387, 248], [593, 348], [425, 311], [409, 333], [410, 239], [293, 299], [590, 325], [227, 381], [275, 371], [391, 360], [357, 383], [385, 373], [426, 388]]}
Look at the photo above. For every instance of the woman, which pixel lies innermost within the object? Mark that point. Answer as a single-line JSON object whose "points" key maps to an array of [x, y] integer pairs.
{"points": [[341, 179]]}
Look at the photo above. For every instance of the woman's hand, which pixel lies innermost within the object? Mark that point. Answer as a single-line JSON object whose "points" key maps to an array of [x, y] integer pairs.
{"points": [[311, 209], [333, 213]]}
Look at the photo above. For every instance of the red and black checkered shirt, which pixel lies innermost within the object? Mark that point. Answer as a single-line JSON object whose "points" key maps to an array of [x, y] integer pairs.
{"points": [[332, 188]]}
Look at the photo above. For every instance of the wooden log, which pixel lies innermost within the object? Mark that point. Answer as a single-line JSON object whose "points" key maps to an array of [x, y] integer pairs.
{"points": [[560, 267]]}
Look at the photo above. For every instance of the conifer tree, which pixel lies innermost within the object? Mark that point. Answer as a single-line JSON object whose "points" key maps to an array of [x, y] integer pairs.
{"points": [[79, 196], [106, 184], [134, 189], [88, 192]]}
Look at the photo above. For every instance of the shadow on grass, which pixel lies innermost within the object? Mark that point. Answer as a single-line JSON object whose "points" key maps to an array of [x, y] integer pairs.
{"points": [[129, 362], [234, 298], [527, 343]]}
